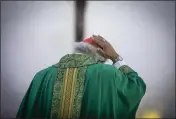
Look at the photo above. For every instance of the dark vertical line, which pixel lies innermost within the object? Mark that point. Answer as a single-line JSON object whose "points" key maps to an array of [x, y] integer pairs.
{"points": [[80, 10]]}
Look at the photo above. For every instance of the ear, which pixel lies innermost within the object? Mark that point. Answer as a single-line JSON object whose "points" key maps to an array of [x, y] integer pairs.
{"points": [[75, 44]]}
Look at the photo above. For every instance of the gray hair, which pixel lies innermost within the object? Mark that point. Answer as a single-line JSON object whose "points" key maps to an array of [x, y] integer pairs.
{"points": [[89, 49]]}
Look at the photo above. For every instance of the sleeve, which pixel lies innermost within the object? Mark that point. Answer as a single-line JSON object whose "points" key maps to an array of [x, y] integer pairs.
{"points": [[111, 93], [131, 89], [118, 64], [22, 111], [29, 106], [37, 100]]}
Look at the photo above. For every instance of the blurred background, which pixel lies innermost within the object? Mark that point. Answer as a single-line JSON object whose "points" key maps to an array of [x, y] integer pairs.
{"points": [[36, 34]]}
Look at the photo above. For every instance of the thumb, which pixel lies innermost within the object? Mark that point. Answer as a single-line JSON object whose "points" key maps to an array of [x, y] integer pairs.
{"points": [[101, 52]]}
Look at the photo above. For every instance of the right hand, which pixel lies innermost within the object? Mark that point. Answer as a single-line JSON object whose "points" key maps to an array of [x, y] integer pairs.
{"points": [[105, 48]]}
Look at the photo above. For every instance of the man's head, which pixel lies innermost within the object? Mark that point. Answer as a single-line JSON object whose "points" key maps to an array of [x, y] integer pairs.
{"points": [[88, 46]]}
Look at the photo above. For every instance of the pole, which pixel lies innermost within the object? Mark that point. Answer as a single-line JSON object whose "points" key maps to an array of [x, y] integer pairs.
{"points": [[80, 10]]}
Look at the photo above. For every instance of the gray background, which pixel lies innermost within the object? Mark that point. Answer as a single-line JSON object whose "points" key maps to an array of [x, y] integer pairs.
{"points": [[36, 34]]}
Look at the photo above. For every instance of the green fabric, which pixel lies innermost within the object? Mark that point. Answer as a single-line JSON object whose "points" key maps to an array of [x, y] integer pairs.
{"points": [[75, 61], [108, 92], [37, 100], [111, 93], [66, 66]]}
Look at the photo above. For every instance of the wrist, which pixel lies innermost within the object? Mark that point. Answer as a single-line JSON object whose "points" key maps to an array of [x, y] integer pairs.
{"points": [[116, 58]]}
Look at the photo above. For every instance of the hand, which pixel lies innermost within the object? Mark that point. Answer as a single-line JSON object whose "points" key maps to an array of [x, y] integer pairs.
{"points": [[105, 48]]}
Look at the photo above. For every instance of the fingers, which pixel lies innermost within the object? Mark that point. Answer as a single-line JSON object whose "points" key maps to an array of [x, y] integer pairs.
{"points": [[101, 38], [101, 51], [98, 40], [98, 37]]}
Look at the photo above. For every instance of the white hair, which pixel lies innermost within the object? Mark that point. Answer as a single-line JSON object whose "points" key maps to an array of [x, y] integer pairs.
{"points": [[86, 48]]}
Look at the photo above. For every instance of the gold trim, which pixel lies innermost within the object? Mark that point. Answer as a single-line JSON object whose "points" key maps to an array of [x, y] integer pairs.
{"points": [[73, 92], [68, 93], [63, 98]]}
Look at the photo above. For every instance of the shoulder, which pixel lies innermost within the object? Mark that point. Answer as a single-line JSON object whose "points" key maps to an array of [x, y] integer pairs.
{"points": [[48, 70], [103, 68]]}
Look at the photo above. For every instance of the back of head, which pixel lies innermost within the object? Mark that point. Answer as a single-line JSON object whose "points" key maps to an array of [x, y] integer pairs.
{"points": [[89, 47]]}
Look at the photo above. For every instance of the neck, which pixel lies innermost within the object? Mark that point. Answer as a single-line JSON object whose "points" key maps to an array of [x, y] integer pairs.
{"points": [[85, 48]]}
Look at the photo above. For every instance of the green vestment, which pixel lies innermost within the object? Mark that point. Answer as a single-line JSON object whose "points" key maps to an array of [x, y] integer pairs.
{"points": [[81, 87]]}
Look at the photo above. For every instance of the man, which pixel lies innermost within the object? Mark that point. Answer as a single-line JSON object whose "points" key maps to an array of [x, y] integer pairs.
{"points": [[82, 86]]}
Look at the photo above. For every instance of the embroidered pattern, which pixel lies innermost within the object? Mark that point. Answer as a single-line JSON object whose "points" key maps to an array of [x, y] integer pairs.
{"points": [[79, 91], [75, 60], [57, 93], [65, 109], [69, 86], [126, 69]]}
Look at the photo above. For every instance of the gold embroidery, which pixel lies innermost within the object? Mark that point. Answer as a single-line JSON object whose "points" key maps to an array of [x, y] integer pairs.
{"points": [[73, 92], [64, 91], [126, 69], [69, 86], [68, 96], [79, 91], [57, 93]]}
